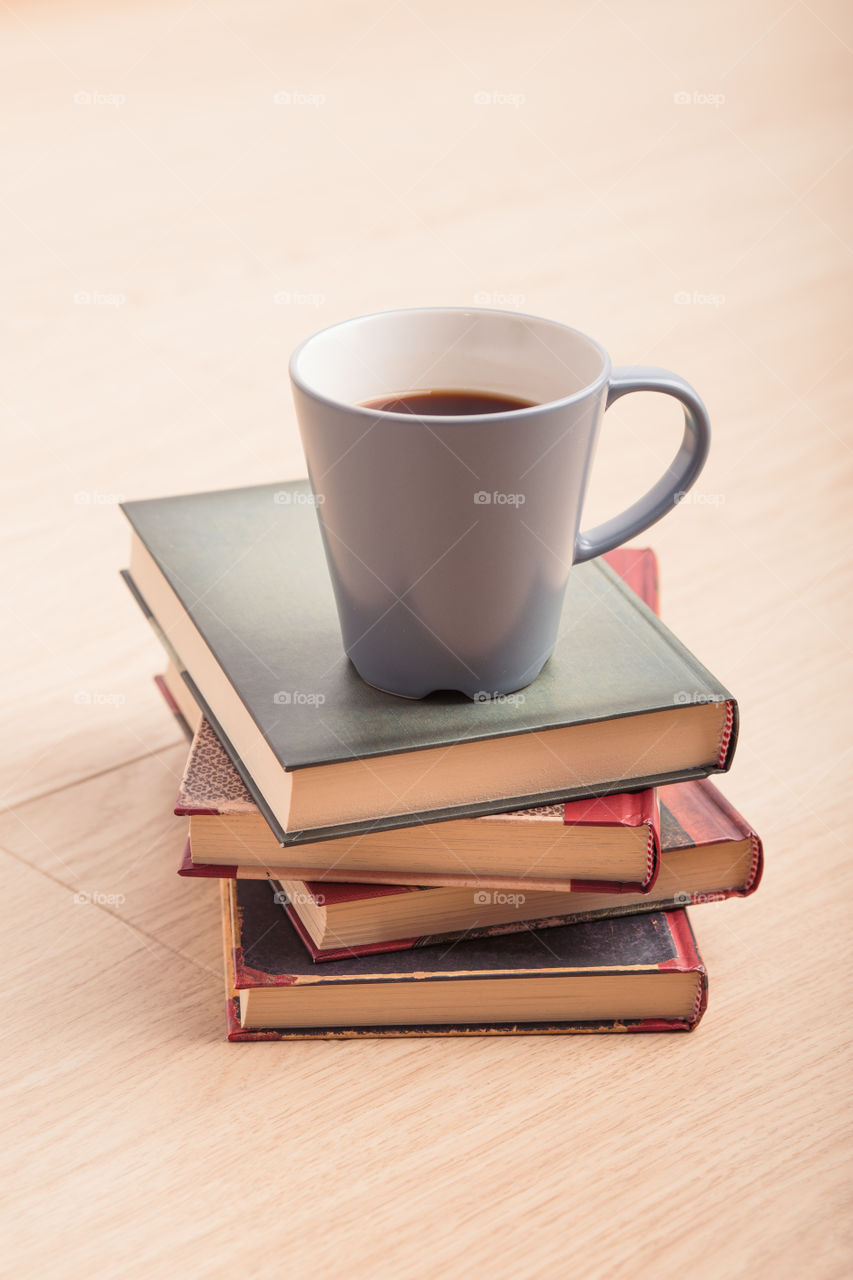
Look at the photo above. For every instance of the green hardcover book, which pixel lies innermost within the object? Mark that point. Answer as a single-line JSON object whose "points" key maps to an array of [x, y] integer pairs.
{"points": [[236, 582]]}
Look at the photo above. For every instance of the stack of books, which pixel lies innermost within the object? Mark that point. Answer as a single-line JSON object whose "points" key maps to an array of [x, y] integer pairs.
{"points": [[520, 864]]}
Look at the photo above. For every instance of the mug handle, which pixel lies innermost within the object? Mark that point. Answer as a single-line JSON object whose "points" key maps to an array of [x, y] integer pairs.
{"points": [[679, 475]]}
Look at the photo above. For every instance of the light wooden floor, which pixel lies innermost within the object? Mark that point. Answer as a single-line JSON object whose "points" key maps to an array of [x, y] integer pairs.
{"points": [[148, 168]]}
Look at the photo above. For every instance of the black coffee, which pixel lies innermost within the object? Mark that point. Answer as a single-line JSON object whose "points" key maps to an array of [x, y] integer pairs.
{"points": [[447, 402]]}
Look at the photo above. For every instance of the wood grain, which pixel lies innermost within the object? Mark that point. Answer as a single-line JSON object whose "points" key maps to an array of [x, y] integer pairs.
{"points": [[674, 181]]}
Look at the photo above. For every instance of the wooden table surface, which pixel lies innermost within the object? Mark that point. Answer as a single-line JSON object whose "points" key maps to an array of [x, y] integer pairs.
{"points": [[190, 189]]}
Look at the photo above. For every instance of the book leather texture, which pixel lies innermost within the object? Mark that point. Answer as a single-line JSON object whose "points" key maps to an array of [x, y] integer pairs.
{"points": [[262, 949]]}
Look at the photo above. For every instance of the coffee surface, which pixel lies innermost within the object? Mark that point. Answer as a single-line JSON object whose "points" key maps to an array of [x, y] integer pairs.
{"points": [[446, 402]]}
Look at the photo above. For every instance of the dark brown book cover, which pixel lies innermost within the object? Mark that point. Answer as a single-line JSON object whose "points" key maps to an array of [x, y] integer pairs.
{"points": [[262, 949]]}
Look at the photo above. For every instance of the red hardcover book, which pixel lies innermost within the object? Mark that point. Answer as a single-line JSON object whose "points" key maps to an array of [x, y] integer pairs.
{"points": [[607, 845], [709, 853], [637, 973]]}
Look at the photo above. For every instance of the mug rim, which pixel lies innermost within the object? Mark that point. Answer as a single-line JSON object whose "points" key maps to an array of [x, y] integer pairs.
{"points": [[444, 418]]}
